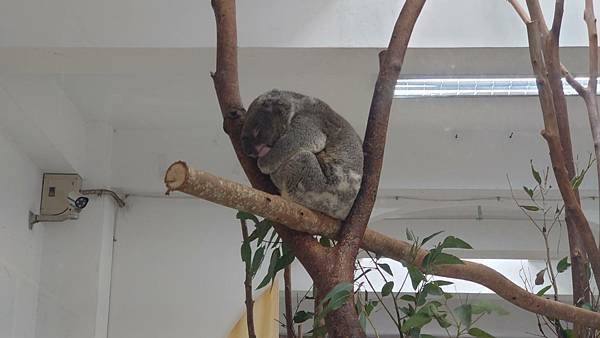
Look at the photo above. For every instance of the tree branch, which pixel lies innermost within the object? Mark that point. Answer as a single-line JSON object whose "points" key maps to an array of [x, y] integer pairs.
{"points": [[180, 177], [559, 8], [248, 288], [375, 135], [520, 10], [226, 83], [552, 135]]}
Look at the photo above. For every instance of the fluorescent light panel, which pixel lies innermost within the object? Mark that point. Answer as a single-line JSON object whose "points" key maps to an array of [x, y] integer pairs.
{"points": [[471, 87]]}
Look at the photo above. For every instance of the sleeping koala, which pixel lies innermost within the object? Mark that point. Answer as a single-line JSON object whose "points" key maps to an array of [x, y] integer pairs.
{"points": [[312, 154]]}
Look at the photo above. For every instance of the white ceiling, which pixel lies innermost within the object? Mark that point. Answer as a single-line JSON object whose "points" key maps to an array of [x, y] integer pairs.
{"points": [[162, 105]]}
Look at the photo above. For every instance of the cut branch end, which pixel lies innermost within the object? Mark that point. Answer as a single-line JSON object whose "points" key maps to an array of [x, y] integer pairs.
{"points": [[176, 176]]}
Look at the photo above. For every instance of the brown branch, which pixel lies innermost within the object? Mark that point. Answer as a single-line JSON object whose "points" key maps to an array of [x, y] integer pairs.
{"points": [[520, 10], [590, 21], [552, 135], [551, 62], [289, 320], [559, 8], [248, 288], [226, 83], [579, 88], [180, 177], [375, 134]]}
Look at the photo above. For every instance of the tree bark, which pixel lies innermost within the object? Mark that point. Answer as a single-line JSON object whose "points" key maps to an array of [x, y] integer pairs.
{"points": [[248, 289], [580, 230], [180, 177], [327, 266], [289, 319]]}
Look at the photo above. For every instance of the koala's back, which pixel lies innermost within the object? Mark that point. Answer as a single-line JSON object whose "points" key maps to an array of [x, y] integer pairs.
{"points": [[341, 161]]}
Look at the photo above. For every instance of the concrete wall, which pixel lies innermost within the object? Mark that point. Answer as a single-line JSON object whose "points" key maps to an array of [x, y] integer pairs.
{"points": [[20, 249]]}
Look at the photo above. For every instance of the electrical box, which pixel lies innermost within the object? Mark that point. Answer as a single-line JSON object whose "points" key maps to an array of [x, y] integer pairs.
{"points": [[55, 193]]}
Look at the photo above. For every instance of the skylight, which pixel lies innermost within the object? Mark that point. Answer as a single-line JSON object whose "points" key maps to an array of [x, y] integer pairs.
{"points": [[473, 87]]}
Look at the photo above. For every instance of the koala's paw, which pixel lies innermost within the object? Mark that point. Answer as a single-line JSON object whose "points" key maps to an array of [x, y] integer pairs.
{"points": [[265, 166]]}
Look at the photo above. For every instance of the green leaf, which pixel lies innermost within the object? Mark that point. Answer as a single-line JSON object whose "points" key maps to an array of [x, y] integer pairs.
{"points": [[443, 322], [479, 333], [444, 258], [387, 288], [409, 235], [326, 242], [442, 283], [283, 261], [416, 276], [262, 228], [246, 253], [259, 256], [408, 298], [362, 319], [302, 316], [484, 306], [528, 191], [563, 265], [336, 297], [543, 290], [244, 216], [464, 314], [454, 242], [587, 306], [536, 175], [271, 273], [432, 288], [417, 320], [530, 207], [386, 268], [370, 306], [428, 238]]}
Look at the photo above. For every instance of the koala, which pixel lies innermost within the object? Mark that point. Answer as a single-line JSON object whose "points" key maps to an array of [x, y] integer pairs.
{"points": [[312, 154]]}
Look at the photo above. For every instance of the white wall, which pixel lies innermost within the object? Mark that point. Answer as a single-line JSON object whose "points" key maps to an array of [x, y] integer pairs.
{"points": [[177, 270], [20, 249], [73, 293]]}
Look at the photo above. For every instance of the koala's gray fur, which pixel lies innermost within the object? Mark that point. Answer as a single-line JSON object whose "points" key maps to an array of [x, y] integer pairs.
{"points": [[312, 154]]}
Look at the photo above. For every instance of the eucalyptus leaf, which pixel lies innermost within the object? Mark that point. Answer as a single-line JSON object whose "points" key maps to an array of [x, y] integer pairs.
{"points": [[416, 276], [543, 290], [244, 216], [418, 320], [246, 253], [528, 191], [464, 314], [386, 268], [259, 256], [484, 306], [444, 258], [302, 316], [428, 238], [454, 242], [530, 207], [479, 333], [563, 265], [271, 273], [536, 174], [387, 288]]}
